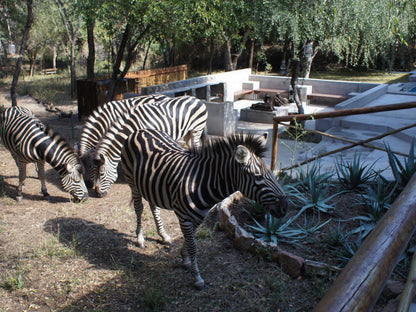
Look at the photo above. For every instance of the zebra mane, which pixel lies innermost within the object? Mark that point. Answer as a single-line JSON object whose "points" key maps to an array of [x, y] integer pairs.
{"points": [[58, 139], [254, 143]]}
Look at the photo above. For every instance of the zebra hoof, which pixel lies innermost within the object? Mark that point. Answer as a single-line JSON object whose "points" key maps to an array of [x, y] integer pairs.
{"points": [[167, 240], [186, 264], [46, 197], [199, 284], [140, 241], [19, 199]]}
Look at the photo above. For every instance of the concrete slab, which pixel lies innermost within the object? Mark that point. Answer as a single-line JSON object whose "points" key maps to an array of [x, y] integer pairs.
{"points": [[357, 128]]}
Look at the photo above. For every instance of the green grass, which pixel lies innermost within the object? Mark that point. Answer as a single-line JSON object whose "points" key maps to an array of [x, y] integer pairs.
{"points": [[370, 76]]}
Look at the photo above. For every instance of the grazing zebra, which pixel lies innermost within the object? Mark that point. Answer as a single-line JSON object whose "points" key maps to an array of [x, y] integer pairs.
{"points": [[182, 117], [100, 121], [30, 141], [191, 181]]}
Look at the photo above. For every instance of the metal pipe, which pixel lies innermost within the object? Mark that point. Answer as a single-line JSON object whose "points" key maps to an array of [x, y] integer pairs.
{"points": [[338, 113]]}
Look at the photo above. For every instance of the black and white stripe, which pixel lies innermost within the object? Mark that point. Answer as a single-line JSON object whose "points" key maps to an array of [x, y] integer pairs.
{"points": [[191, 181], [30, 141], [100, 121], [181, 118]]}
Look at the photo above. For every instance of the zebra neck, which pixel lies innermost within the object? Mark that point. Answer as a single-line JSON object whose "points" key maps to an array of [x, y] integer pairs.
{"points": [[57, 153], [219, 180]]}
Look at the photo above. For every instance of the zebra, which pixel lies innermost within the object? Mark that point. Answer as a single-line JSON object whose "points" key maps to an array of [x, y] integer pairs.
{"points": [[190, 182], [100, 121], [182, 117], [30, 141]]}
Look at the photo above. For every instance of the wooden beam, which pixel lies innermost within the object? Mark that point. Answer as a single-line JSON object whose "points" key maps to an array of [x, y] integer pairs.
{"points": [[359, 285]]}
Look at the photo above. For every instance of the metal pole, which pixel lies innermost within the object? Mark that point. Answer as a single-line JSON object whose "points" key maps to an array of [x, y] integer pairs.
{"points": [[275, 142]]}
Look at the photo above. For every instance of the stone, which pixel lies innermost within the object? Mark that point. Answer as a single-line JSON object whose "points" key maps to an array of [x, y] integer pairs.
{"points": [[291, 264]]}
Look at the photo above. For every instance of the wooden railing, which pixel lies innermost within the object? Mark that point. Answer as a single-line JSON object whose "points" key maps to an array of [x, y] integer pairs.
{"points": [[337, 113], [359, 285]]}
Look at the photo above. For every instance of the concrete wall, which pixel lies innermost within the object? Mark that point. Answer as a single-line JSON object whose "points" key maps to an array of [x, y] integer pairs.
{"points": [[233, 81], [318, 85], [222, 118]]}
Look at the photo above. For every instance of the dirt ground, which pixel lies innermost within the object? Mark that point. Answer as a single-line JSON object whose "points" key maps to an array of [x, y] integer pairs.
{"points": [[62, 256]]}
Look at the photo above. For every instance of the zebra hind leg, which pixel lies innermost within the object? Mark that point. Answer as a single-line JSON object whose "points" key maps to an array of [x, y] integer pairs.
{"points": [[22, 177], [138, 209], [40, 167], [159, 225], [190, 244]]}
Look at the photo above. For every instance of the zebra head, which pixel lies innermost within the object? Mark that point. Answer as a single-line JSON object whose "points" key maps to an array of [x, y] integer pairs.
{"points": [[88, 169], [106, 174], [73, 182], [257, 182]]}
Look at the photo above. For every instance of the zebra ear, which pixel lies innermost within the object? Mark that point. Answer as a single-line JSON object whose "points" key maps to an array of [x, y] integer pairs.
{"points": [[263, 138], [242, 154]]}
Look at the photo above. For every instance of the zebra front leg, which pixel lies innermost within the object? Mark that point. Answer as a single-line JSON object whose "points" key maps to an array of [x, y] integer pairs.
{"points": [[40, 166], [190, 253], [159, 224], [22, 177], [138, 209]]}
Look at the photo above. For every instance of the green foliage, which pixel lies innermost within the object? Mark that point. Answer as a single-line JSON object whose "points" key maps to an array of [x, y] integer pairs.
{"points": [[353, 175], [402, 172], [312, 173], [12, 281], [153, 299]]}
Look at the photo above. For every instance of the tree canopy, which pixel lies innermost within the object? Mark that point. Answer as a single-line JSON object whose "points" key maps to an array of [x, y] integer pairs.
{"points": [[117, 34]]}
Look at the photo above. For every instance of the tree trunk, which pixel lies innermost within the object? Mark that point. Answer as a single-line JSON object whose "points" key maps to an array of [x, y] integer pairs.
{"points": [[294, 84], [72, 34], [232, 60], [250, 63], [91, 49], [55, 56], [131, 47], [23, 45]]}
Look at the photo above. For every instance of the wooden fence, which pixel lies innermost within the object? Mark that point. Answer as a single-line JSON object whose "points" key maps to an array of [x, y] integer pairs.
{"points": [[152, 77], [92, 94]]}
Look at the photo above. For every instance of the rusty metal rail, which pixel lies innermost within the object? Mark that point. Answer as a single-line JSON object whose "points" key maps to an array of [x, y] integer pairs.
{"points": [[338, 113]]}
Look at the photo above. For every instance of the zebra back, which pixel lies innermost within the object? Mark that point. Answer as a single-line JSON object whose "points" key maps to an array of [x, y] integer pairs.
{"points": [[103, 118], [178, 117], [29, 140]]}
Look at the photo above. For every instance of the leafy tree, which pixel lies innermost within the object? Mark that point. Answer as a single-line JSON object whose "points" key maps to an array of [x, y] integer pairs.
{"points": [[25, 36]]}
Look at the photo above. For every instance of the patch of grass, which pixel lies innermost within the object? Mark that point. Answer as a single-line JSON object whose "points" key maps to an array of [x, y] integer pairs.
{"points": [[153, 299], [54, 249], [12, 281], [47, 89], [370, 76]]}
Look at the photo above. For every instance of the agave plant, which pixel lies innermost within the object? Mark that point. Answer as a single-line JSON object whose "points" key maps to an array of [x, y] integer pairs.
{"points": [[282, 229], [314, 197], [378, 200], [402, 172], [353, 175], [312, 173]]}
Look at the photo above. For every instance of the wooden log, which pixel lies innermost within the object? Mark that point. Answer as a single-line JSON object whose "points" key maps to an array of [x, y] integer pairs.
{"points": [[359, 285]]}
